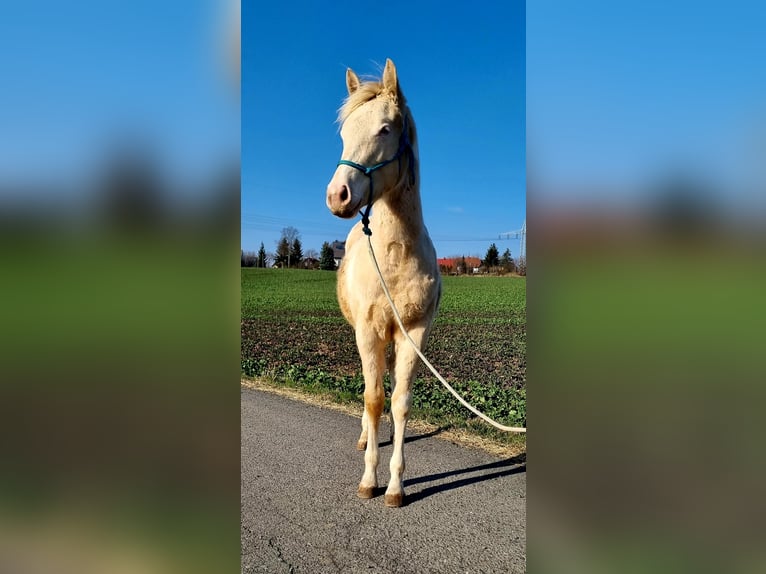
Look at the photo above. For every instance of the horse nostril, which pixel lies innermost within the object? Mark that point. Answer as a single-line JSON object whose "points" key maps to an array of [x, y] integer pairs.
{"points": [[344, 194]]}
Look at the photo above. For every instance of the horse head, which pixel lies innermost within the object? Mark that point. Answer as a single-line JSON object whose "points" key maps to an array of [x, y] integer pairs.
{"points": [[377, 134]]}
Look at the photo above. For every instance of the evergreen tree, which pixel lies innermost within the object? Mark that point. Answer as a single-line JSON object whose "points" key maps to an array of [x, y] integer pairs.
{"points": [[286, 248], [327, 258], [261, 261], [506, 261], [296, 253], [492, 258], [282, 256], [463, 266]]}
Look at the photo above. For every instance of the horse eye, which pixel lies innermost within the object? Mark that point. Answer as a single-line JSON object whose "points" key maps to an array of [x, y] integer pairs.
{"points": [[385, 130]]}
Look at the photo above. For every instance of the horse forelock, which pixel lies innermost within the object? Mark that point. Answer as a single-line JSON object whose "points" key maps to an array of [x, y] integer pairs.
{"points": [[367, 92]]}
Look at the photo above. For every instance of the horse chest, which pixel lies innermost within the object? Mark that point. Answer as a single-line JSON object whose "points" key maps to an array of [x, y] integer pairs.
{"points": [[413, 293]]}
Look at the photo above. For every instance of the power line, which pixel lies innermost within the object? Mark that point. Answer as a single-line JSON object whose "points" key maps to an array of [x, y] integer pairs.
{"points": [[470, 239], [309, 228]]}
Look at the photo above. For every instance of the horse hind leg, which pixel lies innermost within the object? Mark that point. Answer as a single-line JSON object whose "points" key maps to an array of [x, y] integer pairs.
{"points": [[401, 401], [392, 379]]}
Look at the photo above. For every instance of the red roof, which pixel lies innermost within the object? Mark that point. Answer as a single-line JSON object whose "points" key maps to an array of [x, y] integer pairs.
{"points": [[453, 261]]}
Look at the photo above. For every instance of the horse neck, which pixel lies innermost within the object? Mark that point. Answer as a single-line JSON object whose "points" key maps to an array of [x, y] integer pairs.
{"points": [[399, 215]]}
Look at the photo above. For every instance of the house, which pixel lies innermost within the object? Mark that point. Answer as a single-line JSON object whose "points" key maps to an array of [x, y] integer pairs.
{"points": [[454, 265], [446, 264], [338, 251], [310, 263]]}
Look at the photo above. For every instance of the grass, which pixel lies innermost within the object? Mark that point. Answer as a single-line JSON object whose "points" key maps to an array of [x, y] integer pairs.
{"points": [[294, 334]]}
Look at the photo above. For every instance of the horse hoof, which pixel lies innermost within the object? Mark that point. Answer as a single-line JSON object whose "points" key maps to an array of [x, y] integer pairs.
{"points": [[361, 445], [365, 492], [394, 500]]}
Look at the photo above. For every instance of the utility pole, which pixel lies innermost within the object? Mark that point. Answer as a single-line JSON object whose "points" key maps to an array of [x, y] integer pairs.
{"points": [[521, 235]]}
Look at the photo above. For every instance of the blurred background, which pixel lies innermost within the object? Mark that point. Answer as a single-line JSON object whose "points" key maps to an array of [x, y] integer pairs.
{"points": [[119, 199], [646, 133], [119, 206]]}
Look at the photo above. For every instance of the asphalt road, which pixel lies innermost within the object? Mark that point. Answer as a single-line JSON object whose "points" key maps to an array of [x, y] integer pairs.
{"points": [[465, 510]]}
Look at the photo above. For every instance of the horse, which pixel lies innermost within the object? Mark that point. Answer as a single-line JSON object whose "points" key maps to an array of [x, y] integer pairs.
{"points": [[381, 168]]}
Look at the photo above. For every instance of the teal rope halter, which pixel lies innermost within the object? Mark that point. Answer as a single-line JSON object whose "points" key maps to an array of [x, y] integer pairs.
{"points": [[404, 145]]}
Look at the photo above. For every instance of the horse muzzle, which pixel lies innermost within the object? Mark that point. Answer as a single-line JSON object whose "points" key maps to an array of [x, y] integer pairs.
{"points": [[340, 200]]}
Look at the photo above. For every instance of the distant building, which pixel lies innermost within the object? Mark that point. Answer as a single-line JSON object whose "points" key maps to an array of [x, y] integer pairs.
{"points": [[309, 263], [452, 265], [338, 251]]}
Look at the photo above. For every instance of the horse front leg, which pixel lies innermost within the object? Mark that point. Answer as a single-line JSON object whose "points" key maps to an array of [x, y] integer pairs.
{"points": [[361, 444], [372, 353], [401, 400]]}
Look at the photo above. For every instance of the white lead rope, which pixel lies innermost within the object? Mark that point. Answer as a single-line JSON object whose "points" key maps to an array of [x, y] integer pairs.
{"points": [[426, 361]]}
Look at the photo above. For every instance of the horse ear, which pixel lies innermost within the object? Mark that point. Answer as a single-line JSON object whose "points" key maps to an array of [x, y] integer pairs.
{"points": [[352, 81], [390, 81]]}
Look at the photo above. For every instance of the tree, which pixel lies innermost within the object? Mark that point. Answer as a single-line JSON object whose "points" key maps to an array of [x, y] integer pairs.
{"points": [[248, 259], [282, 256], [462, 266], [327, 258], [261, 259], [506, 261], [491, 259], [296, 253], [285, 247]]}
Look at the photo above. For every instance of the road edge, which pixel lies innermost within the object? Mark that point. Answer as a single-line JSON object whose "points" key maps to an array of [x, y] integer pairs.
{"points": [[462, 438]]}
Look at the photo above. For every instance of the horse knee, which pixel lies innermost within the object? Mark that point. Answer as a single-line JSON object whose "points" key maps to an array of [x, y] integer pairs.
{"points": [[400, 405], [373, 403]]}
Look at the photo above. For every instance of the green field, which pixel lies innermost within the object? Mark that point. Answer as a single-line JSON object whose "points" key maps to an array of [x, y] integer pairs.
{"points": [[293, 332]]}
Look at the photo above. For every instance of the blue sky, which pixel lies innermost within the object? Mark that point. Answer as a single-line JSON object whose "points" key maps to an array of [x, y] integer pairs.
{"points": [[617, 94], [620, 94], [76, 75], [462, 69]]}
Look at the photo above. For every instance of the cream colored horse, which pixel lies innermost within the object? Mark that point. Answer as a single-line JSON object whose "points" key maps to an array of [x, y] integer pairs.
{"points": [[380, 150]]}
